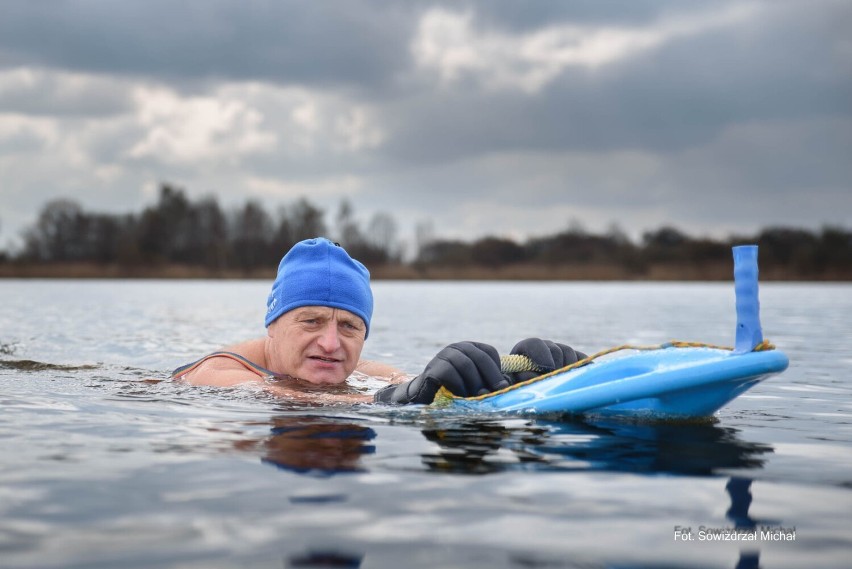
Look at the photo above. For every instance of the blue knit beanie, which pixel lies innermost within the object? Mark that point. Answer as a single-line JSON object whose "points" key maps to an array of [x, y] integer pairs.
{"points": [[317, 272]]}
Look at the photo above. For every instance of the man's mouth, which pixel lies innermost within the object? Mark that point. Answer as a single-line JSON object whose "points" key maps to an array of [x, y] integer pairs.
{"points": [[325, 359]]}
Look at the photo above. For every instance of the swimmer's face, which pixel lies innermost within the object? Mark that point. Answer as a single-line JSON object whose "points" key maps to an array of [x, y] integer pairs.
{"points": [[318, 344]]}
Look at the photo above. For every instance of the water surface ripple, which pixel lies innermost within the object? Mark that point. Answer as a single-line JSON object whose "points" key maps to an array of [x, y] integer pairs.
{"points": [[105, 463]]}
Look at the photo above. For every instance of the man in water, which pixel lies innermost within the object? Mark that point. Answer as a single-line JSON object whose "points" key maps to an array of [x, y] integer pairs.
{"points": [[318, 317]]}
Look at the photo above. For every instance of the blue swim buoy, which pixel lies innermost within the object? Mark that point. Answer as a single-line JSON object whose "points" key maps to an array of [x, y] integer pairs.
{"points": [[676, 379]]}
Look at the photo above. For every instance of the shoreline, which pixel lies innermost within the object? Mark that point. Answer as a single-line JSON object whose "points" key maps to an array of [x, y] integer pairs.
{"points": [[659, 272]]}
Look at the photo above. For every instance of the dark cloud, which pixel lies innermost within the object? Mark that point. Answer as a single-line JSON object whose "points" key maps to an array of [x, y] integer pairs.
{"points": [[484, 115], [360, 43], [681, 94], [526, 16], [35, 93]]}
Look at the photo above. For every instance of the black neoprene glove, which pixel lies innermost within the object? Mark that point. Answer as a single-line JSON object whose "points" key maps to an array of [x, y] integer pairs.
{"points": [[464, 368], [547, 355]]}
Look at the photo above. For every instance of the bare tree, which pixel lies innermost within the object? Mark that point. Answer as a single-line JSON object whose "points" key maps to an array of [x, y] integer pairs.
{"points": [[164, 232], [348, 232], [424, 236], [57, 233], [382, 236], [211, 234], [306, 221], [251, 236]]}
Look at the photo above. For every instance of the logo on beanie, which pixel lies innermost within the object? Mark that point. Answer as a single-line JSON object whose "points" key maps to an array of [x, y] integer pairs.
{"points": [[271, 306]]}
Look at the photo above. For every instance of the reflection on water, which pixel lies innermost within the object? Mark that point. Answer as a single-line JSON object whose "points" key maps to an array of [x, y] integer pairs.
{"points": [[313, 444], [483, 446], [748, 560], [739, 490], [104, 466], [325, 560], [317, 445], [671, 447], [327, 445]]}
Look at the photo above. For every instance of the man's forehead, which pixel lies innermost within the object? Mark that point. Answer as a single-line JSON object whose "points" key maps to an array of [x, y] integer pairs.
{"points": [[325, 311]]}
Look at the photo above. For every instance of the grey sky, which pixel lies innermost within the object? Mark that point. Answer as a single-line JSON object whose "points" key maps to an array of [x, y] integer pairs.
{"points": [[501, 118]]}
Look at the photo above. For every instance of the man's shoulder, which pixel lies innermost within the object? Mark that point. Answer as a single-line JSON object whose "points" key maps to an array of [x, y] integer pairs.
{"points": [[240, 363], [252, 350], [222, 369]]}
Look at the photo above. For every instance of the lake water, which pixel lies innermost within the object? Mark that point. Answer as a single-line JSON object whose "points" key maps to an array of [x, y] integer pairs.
{"points": [[103, 466]]}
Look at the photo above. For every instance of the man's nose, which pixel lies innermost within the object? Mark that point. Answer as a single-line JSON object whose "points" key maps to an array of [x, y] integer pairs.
{"points": [[329, 339]]}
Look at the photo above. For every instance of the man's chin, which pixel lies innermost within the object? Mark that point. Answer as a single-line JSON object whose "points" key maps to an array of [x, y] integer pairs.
{"points": [[322, 380], [324, 377]]}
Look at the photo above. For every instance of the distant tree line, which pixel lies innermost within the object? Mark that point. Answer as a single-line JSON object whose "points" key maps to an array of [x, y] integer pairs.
{"points": [[786, 252], [179, 231]]}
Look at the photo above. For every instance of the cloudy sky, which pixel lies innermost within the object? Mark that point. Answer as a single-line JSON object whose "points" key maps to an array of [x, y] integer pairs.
{"points": [[495, 117]]}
